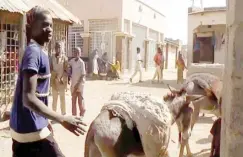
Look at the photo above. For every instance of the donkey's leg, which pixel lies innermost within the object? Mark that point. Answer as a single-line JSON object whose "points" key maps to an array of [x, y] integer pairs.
{"points": [[185, 142], [108, 130], [91, 150], [186, 129], [195, 115], [94, 150], [181, 150], [179, 123], [189, 153]]}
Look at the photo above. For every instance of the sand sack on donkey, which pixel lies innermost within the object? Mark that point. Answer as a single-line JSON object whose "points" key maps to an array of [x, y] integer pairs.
{"points": [[149, 114]]}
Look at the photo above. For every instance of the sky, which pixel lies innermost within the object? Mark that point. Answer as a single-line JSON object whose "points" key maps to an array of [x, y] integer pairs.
{"points": [[176, 14]]}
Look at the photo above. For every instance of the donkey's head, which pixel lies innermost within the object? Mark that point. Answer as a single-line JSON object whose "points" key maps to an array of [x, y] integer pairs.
{"points": [[173, 93], [178, 101]]}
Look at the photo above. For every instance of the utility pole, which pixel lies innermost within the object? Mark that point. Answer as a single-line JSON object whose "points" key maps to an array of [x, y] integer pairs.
{"points": [[201, 3]]}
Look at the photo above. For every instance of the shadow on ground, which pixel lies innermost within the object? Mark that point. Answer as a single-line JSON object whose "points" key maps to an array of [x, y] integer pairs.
{"points": [[204, 140], [202, 153], [205, 120], [149, 84]]}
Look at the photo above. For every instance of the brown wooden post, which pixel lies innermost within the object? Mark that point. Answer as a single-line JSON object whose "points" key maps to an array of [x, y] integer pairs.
{"points": [[166, 57], [176, 57], [146, 54], [120, 51]]}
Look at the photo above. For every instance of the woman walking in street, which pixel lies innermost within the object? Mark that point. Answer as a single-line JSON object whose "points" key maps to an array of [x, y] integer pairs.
{"points": [[180, 63], [94, 64]]}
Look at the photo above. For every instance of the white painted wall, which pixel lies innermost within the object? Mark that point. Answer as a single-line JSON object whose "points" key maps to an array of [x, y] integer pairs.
{"points": [[145, 18], [138, 41], [120, 9], [94, 9], [197, 19]]}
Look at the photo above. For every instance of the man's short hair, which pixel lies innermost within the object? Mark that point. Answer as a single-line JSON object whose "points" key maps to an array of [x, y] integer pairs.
{"points": [[77, 49], [59, 43], [35, 13]]}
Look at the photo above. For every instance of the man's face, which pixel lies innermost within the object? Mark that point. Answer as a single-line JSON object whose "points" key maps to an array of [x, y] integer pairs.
{"points": [[77, 53], [42, 28], [58, 49]]}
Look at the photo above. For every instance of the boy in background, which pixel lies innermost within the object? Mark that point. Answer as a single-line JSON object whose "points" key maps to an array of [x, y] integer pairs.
{"points": [[77, 70]]}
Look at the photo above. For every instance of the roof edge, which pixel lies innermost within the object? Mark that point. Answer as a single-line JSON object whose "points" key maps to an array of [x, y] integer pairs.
{"points": [[194, 10]]}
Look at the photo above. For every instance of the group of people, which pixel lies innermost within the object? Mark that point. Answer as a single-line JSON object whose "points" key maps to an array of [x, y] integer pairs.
{"points": [[101, 67], [62, 71], [159, 62], [31, 132], [159, 66], [30, 128]]}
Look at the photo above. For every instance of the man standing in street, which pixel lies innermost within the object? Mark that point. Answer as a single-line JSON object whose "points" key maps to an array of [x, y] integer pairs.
{"points": [[59, 77], [158, 59], [77, 68], [138, 67]]}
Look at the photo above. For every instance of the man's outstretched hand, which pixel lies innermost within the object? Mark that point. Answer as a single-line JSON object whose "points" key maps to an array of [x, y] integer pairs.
{"points": [[74, 125]]}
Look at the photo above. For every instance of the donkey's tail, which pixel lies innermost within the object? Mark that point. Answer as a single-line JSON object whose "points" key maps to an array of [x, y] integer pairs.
{"points": [[89, 139]]}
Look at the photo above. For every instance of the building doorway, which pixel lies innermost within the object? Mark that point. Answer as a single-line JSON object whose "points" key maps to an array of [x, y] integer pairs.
{"points": [[203, 49]]}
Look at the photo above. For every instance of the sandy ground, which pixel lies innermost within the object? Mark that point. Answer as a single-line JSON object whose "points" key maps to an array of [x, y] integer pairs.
{"points": [[98, 92]]}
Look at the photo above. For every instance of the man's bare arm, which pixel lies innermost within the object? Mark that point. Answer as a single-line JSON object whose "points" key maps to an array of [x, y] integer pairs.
{"points": [[32, 102]]}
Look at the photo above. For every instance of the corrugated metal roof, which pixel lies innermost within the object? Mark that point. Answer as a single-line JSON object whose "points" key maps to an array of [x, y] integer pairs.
{"points": [[13, 6], [57, 10]]}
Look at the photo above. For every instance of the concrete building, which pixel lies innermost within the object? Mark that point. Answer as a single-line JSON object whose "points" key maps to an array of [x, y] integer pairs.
{"points": [[206, 40], [117, 27], [171, 50], [231, 130]]}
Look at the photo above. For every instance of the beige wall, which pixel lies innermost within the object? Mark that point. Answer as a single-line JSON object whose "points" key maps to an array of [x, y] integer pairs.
{"points": [[120, 9], [197, 19], [94, 9], [146, 17], [141, 25], [171, 55]]}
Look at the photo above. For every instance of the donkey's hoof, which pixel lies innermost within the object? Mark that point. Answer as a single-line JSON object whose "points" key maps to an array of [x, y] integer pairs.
{"points": [[189, 155]]}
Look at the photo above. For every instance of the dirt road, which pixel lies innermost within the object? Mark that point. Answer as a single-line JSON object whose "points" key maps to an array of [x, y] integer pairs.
{"points": [[96, 94]]}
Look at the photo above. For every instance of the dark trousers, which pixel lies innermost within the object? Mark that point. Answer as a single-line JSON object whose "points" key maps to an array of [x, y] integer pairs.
{"points": [[44, 148]]}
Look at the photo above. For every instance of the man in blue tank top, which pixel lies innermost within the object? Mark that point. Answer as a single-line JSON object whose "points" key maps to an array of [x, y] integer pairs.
{"points": [[30, 113]]}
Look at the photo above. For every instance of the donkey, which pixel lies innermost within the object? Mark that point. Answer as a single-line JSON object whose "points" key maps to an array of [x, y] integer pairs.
{"points": [[206, 85], [202, 84], [138, 124]]}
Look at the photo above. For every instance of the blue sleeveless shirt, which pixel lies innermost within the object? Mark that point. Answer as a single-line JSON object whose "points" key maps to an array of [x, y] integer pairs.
{"points": [[23, 120]]}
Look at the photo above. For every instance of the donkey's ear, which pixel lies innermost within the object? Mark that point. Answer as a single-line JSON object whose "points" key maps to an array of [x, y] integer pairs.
{"points": [[172, 90], [190, 98]]}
